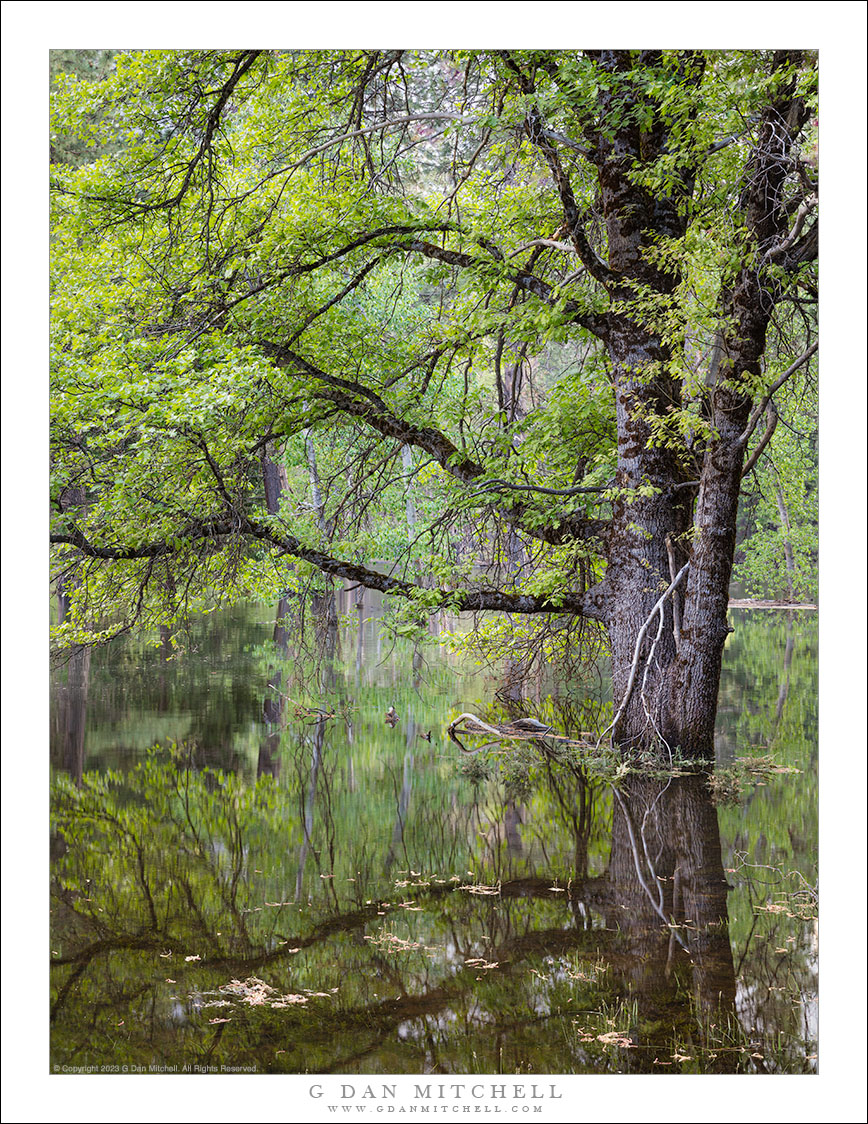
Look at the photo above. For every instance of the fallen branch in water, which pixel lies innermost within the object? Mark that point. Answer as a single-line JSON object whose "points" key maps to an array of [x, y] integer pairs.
{"points": [[477, 721], [520, 729]]}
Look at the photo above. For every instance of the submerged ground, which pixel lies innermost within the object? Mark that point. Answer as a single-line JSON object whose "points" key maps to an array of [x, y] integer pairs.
{"points": [[253, 867]]}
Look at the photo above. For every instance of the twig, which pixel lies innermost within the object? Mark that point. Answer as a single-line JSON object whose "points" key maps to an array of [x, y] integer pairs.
{"points": [[645, 707]]}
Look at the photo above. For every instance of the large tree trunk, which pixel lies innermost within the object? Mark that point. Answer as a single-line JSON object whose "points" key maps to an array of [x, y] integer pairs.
{"points": [[642, 524], [666, 680], [639, 564]]}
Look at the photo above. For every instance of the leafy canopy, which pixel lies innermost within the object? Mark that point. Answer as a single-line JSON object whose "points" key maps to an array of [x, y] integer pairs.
{"points": [[322, 258]]}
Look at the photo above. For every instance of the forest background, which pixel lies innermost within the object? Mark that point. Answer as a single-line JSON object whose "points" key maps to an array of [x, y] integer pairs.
{"points": [[30, 29]]}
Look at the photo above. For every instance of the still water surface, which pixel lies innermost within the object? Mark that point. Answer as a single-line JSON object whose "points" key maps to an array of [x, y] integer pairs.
{"points": [[290, 883]]}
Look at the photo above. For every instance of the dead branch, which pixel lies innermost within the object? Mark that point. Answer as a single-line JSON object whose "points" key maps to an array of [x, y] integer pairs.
{"points": [[658, 608]]}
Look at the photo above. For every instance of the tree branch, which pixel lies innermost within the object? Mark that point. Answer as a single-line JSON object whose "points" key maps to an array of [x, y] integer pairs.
{"points": [[241, 65], [772, 415], [361, 402], [538, 133], [804, 210], [504, 485], [597, 323], [379, 128], [776, 385], [576, 604]]}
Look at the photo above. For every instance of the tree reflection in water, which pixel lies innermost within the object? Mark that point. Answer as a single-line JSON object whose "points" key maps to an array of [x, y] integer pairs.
{"points": [[484, 959], [380, 912]]}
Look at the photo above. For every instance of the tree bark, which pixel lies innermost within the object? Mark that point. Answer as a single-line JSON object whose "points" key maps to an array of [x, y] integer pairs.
{"points": [[676, 702]]}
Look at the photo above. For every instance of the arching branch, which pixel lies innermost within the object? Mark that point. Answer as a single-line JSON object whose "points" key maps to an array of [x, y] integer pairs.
{"points": [[457, 600], [359, 401]]}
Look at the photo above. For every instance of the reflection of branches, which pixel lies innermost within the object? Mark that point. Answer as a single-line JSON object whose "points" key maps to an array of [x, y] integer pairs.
{"points": [[308, 804], [382, 1018], [656, 900], [402, 806]]}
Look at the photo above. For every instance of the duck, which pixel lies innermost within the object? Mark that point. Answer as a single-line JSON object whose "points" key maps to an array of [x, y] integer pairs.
{"points": [[391, 717]]}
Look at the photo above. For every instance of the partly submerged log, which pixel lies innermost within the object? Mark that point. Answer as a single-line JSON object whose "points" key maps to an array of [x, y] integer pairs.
{"points": [[520, 729]]}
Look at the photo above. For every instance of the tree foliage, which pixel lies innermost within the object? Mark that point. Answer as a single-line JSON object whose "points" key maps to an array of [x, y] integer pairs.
{"points": [[779, 556], [528, 291]]}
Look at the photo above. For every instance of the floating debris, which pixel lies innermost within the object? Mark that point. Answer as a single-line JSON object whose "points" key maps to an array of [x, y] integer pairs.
{"points": [[257, 993], [252, 990], [615, 1038], [479, 888], [391, 942]]}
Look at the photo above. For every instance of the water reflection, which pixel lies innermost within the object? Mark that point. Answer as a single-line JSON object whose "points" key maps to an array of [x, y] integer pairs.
{"points": [[312, 889], [70, 712]]}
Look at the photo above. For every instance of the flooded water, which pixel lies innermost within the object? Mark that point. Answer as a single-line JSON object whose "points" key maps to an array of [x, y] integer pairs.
{"points": [[253, 868]]}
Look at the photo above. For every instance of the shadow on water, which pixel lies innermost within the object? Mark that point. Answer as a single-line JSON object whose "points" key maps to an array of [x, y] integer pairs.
{"points": [[300, 884]]}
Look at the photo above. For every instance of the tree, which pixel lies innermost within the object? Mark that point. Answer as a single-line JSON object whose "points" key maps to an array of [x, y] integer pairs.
{"points": [[386, 251]]}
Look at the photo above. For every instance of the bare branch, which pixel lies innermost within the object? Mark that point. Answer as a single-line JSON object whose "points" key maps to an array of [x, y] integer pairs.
{"points": [[379, 128], [634, 666], [772, 415], [676, 607], [804, 210]]}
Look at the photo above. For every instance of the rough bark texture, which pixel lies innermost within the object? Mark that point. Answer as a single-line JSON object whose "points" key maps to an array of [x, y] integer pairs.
{"points": [[748, 307], [638, 560], [675, 699]]}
